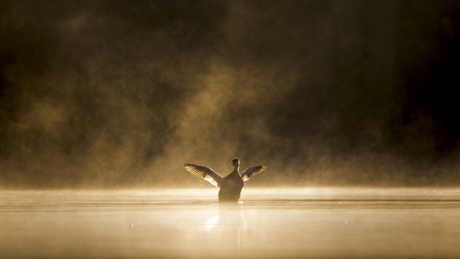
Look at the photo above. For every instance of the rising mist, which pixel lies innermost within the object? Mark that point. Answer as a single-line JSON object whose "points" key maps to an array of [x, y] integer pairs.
{"points": [[121, 93]]}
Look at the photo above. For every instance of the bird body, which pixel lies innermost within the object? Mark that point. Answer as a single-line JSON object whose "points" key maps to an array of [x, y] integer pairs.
{"points": [[231, 185]]}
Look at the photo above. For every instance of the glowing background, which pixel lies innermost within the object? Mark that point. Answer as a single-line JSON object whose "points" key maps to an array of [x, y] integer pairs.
{"points": [[97, 97], [121, 93]]}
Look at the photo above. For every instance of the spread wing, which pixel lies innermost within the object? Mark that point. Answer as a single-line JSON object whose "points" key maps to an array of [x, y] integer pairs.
{"points": [[251, 171], [204, 172]]}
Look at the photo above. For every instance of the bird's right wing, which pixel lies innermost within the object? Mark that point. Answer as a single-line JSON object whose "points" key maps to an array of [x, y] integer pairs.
{"points": [[204, 172]]}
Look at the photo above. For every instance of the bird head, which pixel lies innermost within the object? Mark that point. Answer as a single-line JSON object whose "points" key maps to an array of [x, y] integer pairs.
{"points": [[236, 162]]}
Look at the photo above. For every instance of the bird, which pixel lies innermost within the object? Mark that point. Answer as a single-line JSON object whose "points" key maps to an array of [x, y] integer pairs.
{"points": [[231, 185]]}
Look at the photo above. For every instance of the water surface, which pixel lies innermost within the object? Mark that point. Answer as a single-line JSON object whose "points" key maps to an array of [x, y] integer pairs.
{"points": [[268, 223]]}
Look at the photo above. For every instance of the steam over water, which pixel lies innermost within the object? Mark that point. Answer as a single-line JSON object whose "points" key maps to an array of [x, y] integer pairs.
{"points": [[269, 223], [117, 95], [109, 94]]}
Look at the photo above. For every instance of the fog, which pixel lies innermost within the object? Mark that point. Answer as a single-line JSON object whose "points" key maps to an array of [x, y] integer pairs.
{"points": [[119, 94]]}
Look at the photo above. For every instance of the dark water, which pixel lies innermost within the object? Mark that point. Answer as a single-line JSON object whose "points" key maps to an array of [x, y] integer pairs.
{"points": [[269, 223]]}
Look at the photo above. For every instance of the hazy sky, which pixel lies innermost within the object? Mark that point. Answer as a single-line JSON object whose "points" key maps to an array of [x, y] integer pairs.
{"points": [[121, 93]]}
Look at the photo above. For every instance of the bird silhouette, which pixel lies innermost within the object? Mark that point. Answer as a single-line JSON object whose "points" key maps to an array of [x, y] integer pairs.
{"points": [[230, 185]]}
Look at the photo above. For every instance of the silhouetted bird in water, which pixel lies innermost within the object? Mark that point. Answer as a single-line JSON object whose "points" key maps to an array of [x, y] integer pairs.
{"points": [[231, 185]]}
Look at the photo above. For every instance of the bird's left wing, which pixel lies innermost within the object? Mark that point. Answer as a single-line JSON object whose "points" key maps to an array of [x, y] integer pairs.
{"points": [[251, 171], [204, 172]]}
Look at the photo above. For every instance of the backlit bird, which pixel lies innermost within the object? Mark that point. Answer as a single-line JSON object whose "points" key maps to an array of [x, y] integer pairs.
{"points": [[231, 185]]}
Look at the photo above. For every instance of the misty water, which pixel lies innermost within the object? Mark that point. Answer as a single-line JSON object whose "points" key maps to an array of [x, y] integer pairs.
{"points": [[267, 223]]}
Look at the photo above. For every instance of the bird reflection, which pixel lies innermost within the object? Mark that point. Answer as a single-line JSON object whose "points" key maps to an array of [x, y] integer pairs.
{"points": [[212, 221], [231, 185], [231, 219], [231, 215]]}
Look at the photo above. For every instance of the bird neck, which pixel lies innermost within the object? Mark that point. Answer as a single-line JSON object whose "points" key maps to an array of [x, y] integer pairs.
{"points": [[236, 168]]}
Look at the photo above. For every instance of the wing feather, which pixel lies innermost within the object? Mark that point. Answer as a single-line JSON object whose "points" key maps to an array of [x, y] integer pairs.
{"points": [[251, 171], [204, 172]]}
